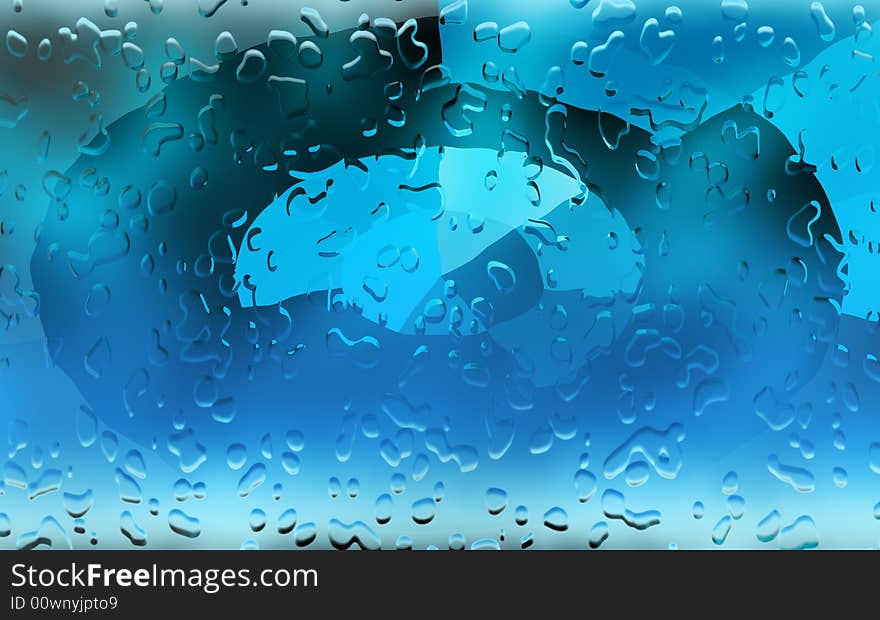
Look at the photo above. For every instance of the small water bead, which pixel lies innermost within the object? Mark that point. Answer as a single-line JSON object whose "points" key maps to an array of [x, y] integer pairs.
{"points": [[78, 504], [287, 521], [266, 446], [637, 473], [556, 519], [295, 440], [252, 478], [721, 530], [383, 508], [585, 485], [143, 80], [184, 524], [134, 464], [291, 463], [174, 51], [200, 490], [718, 49], [768, 527], [699, 510], [370, 426], [257, 519], [801, 534], [824, 26], [496, 500], [236, 456], [16, 44], [132, 55], [598, 534], [423, 510], [736, 505], [420, 467], [735, 10], [225, 46], [514, 37], [310, 55], [808, 450], [182, 490], [491, 180], [334, 487], [730, 483], [398, 483], [457, 542], [109, 445], [198, 178], [765, 36], [305, 534], [791, 53]]}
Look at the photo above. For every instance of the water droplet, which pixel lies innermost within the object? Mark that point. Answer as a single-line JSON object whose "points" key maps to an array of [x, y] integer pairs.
{"points": [[496, 500], [768, 527], [305, 534], [345, 535], [423, 510], [730, 483], [287, 521], [253, 478], [131, 530], [184, 524], [501, 275], [721, 530], [799, 535], [310, 55], [78, 504], [598, 534], [736, 505], [585, 485], [291, 463], [823, 23], [383, 509], [236, 456], [556, 519], [514, 37], [182, 490], [16, 44], [257, 520]]}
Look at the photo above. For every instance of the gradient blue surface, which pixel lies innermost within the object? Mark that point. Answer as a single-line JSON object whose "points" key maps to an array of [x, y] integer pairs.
{"points": [[472, 341]]}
